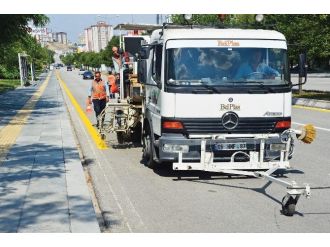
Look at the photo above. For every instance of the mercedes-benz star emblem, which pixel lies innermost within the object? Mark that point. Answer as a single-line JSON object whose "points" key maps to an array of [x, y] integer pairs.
{"points": [[230, 120]]}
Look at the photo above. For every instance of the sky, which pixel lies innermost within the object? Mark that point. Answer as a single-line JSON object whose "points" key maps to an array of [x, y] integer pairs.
{"points": [[75, 24]]}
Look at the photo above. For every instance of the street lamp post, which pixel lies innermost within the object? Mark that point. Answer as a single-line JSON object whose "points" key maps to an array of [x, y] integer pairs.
{"points": [[20, 69], [120, 41]]}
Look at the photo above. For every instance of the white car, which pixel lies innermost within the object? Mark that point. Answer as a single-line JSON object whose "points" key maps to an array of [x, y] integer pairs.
{"points": [[81, 71]]}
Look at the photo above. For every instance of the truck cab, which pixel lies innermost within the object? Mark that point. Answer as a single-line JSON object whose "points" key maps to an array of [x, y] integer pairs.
{"points": [[216, 97]]}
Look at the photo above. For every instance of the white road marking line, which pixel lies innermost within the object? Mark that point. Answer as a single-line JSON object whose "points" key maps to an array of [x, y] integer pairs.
{"points": [[320, 128]]}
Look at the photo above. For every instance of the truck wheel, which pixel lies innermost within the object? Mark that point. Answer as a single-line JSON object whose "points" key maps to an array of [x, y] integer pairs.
{"points": [[289, 208], [148, 150], [136, 135]]}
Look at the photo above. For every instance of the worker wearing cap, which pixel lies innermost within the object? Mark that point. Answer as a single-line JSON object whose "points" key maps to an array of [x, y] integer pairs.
{"points": [[99, 95]]}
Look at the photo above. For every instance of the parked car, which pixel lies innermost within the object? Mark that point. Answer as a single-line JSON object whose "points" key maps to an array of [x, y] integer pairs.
{"points": [[69, 68], [81, 71], [88, 75]]}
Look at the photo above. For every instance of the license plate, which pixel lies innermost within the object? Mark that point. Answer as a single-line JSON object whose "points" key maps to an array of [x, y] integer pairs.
{"points": [[230, 146]]}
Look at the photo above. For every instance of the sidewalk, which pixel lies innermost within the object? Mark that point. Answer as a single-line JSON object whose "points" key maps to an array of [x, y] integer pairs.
{"points": [[322, 104], [19, 96], [42, 183]]}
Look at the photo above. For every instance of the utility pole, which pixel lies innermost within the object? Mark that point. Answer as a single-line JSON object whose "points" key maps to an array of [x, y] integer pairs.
{"points": [[120, 42]]}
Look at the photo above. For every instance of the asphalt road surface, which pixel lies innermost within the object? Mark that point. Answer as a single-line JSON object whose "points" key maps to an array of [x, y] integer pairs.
{"points": [[319, 82], [134, 198]]}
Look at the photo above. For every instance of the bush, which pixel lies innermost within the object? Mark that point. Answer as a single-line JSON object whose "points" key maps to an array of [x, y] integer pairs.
{"points": [[6, 73]]}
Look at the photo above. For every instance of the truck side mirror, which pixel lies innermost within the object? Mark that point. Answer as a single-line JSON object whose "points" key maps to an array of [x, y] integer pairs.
{"points": [[144, 52], [302, 73], [302, 66], [142, 71]]}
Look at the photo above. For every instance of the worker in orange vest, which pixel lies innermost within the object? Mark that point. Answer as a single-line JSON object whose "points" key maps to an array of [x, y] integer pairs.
{"points": [[99, 95], [112, 85]]}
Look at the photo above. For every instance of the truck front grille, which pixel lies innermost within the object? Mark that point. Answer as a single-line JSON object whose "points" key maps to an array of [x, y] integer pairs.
{"points": [[214, 125]]}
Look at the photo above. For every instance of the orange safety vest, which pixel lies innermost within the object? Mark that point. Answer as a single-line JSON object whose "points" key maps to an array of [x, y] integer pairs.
{"points": [[99, 90], [112, 84]]}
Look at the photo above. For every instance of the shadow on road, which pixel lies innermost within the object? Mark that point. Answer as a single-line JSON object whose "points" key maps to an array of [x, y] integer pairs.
{"points": [[13, 101], [212, 178]]}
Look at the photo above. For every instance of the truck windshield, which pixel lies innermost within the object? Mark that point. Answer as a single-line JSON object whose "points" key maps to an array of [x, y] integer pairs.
{"points": [[227, 66]]}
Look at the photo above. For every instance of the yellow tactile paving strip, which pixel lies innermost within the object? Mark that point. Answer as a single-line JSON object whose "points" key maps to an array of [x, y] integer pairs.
{"points": [[91, 130], [11, 131]]}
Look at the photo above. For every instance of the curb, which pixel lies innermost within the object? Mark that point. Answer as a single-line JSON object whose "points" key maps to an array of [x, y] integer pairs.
{"points": [[79, 197], [314, 75], [322, 104]]}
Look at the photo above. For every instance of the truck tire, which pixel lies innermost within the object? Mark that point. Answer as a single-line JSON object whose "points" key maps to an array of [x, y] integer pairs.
{"points": [[148, 150], [137, 135]]}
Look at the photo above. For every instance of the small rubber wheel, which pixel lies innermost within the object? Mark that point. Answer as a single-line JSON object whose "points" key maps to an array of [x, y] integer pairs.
{"points": [[120, 137], [289, 208]]}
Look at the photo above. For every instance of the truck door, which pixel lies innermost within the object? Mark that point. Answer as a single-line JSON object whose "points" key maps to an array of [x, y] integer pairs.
{"points": [[153, 88]]}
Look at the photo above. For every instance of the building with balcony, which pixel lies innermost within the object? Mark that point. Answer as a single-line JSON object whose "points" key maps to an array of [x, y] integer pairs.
{"points": [[97, 36]]}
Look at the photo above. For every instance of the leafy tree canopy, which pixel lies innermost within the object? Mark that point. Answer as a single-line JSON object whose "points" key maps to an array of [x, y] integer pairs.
{"points": [[14, 27], [310, 33]]}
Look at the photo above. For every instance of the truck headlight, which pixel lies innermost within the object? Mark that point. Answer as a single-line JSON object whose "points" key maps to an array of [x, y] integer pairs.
{"points": [[175, 148], [277, 147]]}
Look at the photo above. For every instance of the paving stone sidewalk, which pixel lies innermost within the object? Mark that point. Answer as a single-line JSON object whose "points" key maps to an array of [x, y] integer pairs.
{"points": [[42, 183]]}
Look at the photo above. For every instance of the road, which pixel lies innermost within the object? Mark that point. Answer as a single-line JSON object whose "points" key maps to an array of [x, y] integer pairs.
{"points": [[318, 82], [134, 198]]}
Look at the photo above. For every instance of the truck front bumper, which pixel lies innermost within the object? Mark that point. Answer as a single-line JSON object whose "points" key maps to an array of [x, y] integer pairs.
{"points": [[199, 152]]}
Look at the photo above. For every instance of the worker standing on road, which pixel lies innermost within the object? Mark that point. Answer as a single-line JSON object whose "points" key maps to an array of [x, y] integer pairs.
{"points": [[112, 85], [99, 95]]}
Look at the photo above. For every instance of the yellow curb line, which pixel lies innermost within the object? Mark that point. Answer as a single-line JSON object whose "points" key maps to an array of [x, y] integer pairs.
{"points": [[311, 108], [92, 132], [11, 131]]}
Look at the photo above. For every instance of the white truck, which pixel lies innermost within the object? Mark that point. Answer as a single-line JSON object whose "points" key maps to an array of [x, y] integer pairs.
{"points": [[219, 100]]}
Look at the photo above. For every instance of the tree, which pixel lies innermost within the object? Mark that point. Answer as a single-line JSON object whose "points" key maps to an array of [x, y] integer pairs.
{"points": [[207, 19], [40, 56], [93, 59], [15, 38], [14, 27], [310, 33], [68, 59]]}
